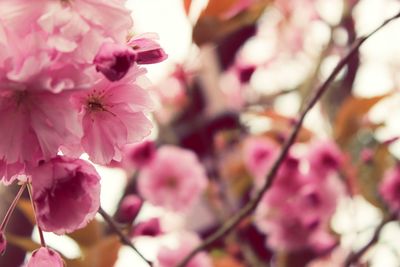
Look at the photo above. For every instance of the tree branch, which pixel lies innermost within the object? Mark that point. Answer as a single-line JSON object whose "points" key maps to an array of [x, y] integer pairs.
{"points": [[124, 239], [355, 256], [252, 204]]}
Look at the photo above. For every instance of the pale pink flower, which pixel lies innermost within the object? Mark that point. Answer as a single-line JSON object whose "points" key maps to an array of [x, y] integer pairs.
{"points": [[66, 194], [113, 116], [147, 49], [175, 179], [170, 257], [390, 188], [35, 124], [45, 257], [129, 208], [114, 60], [259, 154]]}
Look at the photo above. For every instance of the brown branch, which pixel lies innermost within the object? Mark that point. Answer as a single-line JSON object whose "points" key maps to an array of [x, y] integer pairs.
{"points": [[355, 256], [124, 239], [252, 204]]}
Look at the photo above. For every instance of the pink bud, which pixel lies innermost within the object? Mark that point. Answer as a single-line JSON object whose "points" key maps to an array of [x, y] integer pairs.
{"points": [[129, 209], [44, 257], [151, 227], [114, 60], [3, 243], [148, 51]]}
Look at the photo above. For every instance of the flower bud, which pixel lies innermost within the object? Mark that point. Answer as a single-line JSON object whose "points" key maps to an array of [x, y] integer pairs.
{"points": [[147, 50], [129, 209], [114, 60], [44, 257]]}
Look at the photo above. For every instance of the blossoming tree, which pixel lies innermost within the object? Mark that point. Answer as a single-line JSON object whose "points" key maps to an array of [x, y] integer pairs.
{"points": [[217, 173]]}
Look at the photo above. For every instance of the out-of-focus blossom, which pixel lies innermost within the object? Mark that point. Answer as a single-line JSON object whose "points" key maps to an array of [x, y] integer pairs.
{"points": [[170, 257], [325, 157], [140, 154], [296, 211], [150, 227], [175, 179], [129, 208], [44, 257], [114, 60], [390, 188], [66, 194], [259, 154], [147, 49], [113, 116]]}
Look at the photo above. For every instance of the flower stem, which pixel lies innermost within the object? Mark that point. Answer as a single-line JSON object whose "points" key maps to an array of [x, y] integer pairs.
{"points": [[12, 208], [42, 241]]}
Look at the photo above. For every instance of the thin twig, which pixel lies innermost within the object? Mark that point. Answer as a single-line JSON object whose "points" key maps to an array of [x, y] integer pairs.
{"points": [[124, 239], [354, 257], [252, 204]]}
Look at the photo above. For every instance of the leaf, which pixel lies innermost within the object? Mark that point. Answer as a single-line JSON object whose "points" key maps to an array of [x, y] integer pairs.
{"points": [[104, 253], [370, 175], [89, 235], [281, 126], [226, 261], [350, 117], [25, 206], [24, 243], [213, 25], [187, 4]]}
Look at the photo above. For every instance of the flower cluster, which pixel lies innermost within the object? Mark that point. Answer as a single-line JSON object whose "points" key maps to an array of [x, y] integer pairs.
{"points": [[71, 82], [296, 211]]}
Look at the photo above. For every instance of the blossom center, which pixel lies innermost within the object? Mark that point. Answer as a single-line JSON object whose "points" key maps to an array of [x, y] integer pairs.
{"points": [[171, 182]]}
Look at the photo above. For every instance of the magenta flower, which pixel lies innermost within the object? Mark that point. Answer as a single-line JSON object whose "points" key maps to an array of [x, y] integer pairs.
{"points": [[114, 60], [175, 179], [170, 257], [113, 116], [129, 208], [44, 257], [390, 188], [66, 194], [147, 49]]}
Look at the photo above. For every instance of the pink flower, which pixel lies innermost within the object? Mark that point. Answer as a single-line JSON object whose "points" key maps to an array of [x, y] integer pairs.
{"points": [[3, 243], [390, 188], [129, 208], [325, 157], [259, 154], [35, 124], [147, 49], [170, 257], [114, 60], [66, 194], [150, 227], [44, 257], [175, 179], [113, 116]]}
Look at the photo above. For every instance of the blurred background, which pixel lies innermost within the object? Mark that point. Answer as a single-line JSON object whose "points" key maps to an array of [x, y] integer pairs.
{"points": [[235, 71]]}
